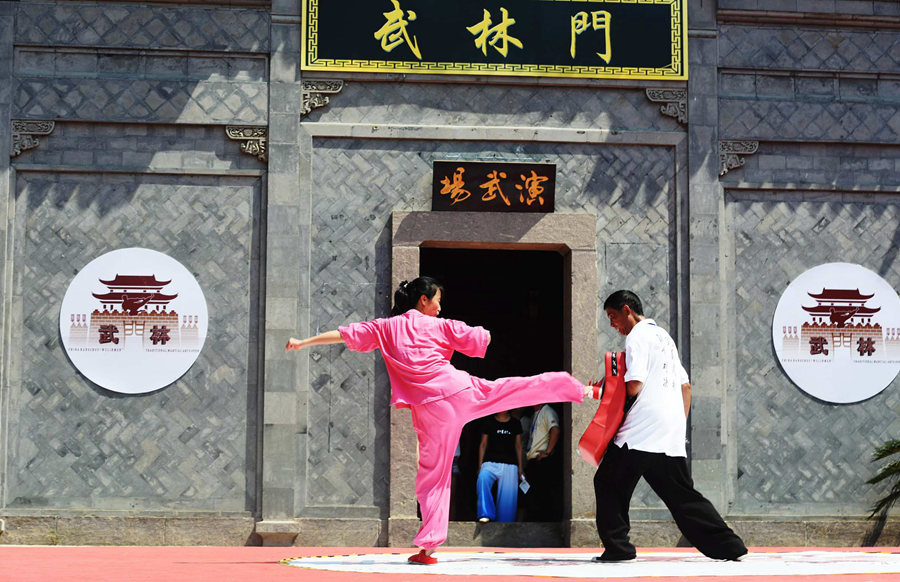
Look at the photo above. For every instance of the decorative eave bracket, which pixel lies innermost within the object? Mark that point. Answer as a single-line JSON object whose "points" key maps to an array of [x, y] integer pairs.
{"points": [[731, 154], [23, 132], [674, 102], [316, 91], [253, 139]]}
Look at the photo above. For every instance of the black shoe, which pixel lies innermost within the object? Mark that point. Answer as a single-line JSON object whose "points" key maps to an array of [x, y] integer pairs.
{"points": [[609, 558], [732, 558]]}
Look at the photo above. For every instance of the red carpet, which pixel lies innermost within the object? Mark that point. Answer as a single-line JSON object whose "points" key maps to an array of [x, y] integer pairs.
{"points": [[240, 564]]}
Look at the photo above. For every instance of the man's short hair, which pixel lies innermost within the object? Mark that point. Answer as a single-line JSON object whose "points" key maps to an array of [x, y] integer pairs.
{"points": [[623, 297]]}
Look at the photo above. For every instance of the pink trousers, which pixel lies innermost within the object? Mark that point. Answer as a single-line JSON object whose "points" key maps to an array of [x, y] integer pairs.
{"points": [[438, 425]]}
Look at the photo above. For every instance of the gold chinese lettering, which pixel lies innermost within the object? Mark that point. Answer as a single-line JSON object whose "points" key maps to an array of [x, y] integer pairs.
{"points": [[394, 32], [493, 187], [532, 188], [493, 35], [597, 20], [456, 187]]}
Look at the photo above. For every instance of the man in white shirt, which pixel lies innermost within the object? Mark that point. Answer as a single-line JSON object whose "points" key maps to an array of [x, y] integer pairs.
{"points": [[544, 432], [651, 443]]}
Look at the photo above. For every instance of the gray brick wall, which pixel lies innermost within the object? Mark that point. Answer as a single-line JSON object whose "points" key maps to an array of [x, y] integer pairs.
{"points": [[861, 167], [139, 157], [190, 446], [797, 455], [820, 99], [175, 65], [844, 7], [142, 26], [118, 147]]}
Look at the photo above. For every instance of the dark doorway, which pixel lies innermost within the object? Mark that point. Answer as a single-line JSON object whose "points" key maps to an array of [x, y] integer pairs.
{"points": [[519, 296]]}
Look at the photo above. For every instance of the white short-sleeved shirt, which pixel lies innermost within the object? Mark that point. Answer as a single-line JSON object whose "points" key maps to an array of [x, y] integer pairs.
{"points": [[545, 420], [656, 422]]}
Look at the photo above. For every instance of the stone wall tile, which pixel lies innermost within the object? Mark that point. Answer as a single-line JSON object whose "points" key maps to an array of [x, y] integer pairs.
{"points": [[143, 26]]}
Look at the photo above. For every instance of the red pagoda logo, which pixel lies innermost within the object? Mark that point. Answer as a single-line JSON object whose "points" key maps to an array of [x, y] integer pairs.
{"points": [[134, 292], [134, 308], [841, 320], [836, 332]]}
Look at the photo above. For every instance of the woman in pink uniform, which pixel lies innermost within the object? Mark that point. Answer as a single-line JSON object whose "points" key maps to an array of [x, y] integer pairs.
{"points": [[417, 346]]}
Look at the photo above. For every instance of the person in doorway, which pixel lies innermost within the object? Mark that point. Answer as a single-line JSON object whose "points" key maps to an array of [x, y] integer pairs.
{"points": [[523, 415], [416, 346], [651, 443], [500, 462], [542, 467]]}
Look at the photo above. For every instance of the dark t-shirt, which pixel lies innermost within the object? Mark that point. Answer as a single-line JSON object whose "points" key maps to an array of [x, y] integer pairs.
{"points": [[501, 444]]}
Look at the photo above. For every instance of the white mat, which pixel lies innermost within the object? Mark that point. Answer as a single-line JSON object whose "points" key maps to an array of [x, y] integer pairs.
{"points": [[579, 565]]}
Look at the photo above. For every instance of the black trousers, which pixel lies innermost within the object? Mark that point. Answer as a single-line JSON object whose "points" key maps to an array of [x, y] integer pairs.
{"points": [[697, 518]]}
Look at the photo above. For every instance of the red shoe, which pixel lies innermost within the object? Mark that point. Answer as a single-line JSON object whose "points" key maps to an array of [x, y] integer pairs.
{"points": [[421, 558]]}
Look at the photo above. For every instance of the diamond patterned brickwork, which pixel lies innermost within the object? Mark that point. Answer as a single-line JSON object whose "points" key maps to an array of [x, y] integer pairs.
{"points": [[494, 105], [630, 188], [782, 84], [809, 49], [130, 100], [142, 26], [157, 66], [796, 454], [67, 71], [801, 120], [188, 446]]}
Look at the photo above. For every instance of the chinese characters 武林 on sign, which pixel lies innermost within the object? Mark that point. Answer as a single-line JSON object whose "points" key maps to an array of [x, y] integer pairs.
{"points": [[836, 332], [644, 39], [493, 186], [133, 320]]}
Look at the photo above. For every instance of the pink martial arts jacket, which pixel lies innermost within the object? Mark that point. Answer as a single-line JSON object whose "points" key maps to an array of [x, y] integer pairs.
{"points": [[417, 350]]}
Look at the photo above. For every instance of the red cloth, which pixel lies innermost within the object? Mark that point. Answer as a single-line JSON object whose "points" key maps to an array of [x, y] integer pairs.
{"points": [[610, 412]]}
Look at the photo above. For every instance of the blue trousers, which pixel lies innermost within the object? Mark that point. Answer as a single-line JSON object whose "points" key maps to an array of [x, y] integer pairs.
{"points": [[507, 479]]}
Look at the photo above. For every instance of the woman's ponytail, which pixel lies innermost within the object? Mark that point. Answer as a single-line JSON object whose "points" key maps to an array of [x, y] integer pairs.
{"points": [[407, 295]]}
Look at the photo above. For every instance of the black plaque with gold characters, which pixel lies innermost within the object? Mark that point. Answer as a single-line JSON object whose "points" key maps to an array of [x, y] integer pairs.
{"points": [[493, 186], [644, 39]]}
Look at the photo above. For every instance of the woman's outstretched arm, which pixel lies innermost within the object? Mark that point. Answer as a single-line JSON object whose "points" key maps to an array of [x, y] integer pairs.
{"points": [[329, 337]]}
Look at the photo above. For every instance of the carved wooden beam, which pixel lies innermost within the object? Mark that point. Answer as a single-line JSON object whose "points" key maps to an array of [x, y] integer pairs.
{"points": [[316, 91], [731, 152], [23, 132], [674, 102], [253, 139]]}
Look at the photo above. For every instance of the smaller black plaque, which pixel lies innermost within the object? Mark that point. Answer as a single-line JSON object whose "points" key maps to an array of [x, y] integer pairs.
{"points": [[493, 186]]}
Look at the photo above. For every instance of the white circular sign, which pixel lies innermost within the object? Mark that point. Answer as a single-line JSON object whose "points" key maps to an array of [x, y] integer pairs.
{"points": [[133, 320], [836, 332]]}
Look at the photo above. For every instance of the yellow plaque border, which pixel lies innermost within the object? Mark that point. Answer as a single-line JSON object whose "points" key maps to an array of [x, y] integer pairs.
{"points": [[677, 71]]}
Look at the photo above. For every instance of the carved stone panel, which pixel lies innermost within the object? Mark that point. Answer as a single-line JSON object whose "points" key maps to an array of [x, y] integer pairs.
{"points": [[674, 102], [730, 153], [253, 139], [24, 132], [316, 91]]}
